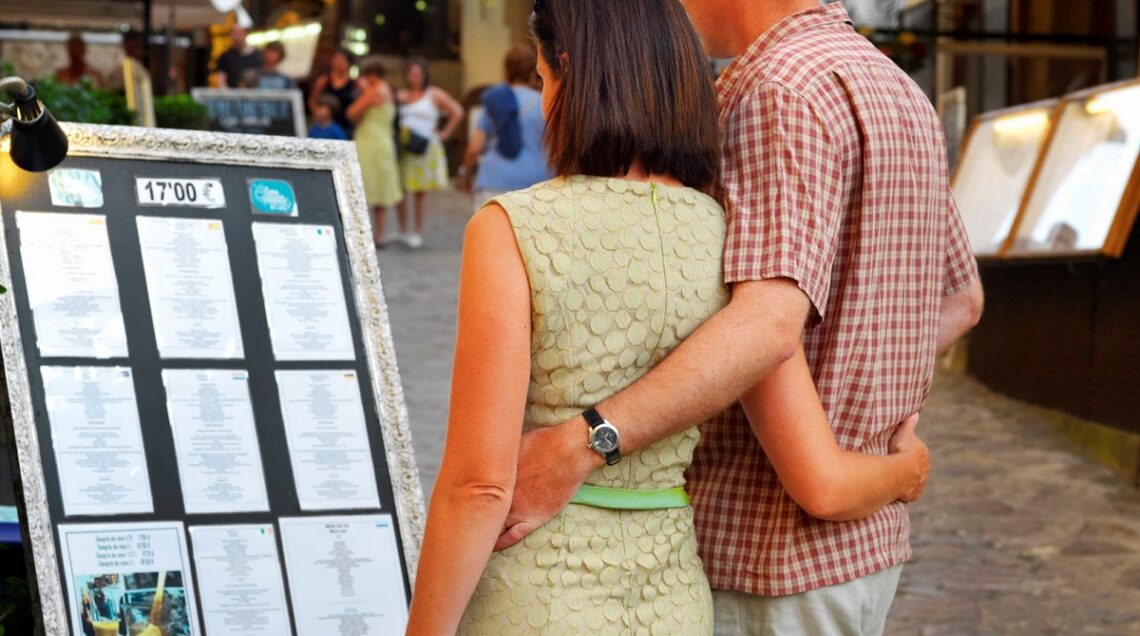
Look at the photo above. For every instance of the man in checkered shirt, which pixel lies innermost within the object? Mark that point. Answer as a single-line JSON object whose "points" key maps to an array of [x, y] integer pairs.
{"points": [[840, 218]]}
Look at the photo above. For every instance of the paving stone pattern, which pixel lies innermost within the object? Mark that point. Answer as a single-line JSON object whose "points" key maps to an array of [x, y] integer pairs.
{"points": [[1017, 534]]}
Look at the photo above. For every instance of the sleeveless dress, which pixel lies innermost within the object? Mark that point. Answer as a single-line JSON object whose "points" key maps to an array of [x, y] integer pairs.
{"points": [[429, 170], [620, 273], [376, 148]]}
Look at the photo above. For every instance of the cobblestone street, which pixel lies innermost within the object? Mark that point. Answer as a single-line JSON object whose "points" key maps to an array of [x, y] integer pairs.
{"points": [[1017, 533]]}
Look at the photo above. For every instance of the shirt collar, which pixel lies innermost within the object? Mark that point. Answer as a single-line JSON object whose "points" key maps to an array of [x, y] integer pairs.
{"points": [[789, 26]]}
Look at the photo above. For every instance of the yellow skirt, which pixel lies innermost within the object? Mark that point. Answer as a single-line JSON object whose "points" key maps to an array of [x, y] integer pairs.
{"points": [[425, 172]]}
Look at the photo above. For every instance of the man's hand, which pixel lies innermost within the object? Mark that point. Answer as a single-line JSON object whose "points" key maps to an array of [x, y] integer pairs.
{"points": [[907, 444], [553, 463]]}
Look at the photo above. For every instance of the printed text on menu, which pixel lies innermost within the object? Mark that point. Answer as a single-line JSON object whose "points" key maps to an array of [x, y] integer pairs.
{"points": [[194, 193]]}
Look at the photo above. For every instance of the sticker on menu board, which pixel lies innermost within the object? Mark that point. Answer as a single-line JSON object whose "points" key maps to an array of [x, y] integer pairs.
{"points": [[273, 197], [76, 188]]}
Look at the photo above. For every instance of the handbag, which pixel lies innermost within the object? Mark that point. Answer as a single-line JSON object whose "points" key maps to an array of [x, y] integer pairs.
{"points": [[412, 142]]}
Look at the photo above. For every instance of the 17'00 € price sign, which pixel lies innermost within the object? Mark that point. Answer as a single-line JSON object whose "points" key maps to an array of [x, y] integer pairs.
{"points": [[194, 193]]}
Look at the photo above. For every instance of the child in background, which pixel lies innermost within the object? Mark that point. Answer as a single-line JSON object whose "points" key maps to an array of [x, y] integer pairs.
{"points": [[324, 109], [271, 78]]}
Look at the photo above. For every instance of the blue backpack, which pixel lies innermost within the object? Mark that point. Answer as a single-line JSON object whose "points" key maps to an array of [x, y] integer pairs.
{"points": [[502, 108]]}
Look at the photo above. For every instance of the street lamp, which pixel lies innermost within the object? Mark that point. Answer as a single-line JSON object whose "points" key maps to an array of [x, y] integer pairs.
{"points": [[38, 143]]}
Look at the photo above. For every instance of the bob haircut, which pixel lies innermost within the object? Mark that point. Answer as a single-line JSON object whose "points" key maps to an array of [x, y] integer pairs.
{"points": [[635, 86]]}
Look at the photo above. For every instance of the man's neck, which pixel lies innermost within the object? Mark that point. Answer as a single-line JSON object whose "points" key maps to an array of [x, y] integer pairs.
{"points": [[756, 18]]}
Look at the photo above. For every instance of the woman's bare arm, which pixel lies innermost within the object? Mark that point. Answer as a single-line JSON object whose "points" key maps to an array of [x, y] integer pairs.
{"points": [[475, 147], [369, 95], [827, 482], [488, 398], [454, 111], [319, 85]]}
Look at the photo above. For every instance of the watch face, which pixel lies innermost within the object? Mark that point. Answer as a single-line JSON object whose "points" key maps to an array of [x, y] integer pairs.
{"points": [[605, 439]]}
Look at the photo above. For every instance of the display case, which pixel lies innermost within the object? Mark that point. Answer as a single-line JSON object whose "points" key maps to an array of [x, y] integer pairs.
{"points": [[1083, 195], [997, 160]]}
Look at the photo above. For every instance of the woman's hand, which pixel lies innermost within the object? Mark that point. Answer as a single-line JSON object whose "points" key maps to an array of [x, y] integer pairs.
{"points": [[906, 444]]}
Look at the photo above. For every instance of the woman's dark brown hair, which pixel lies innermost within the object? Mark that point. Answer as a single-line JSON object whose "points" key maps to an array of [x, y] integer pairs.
{"points": [[423, 66], [635, 85]]}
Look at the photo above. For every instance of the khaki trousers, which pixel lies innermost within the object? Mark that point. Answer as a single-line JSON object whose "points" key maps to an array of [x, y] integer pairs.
{"points": [[855, 608]]}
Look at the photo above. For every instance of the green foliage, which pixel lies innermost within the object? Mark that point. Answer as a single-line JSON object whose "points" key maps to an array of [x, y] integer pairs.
{"points": [[80, 103], [83, 103], [180, 111]]}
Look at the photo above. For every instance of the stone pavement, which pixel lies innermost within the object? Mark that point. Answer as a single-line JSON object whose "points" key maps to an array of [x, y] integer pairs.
{"points": [[1017, 534]]}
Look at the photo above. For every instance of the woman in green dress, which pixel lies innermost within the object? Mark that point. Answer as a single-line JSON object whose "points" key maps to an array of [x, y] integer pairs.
{"points": [[374, 113], [571, 290]]}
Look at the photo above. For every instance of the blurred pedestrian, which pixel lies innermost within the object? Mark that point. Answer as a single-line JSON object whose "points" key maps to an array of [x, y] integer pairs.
{"points": [[77, 68], [324, 120], [271, 78], [423, 163], [134, 46], [239, 58], [374, 113], [506, 143], [338, 83]]}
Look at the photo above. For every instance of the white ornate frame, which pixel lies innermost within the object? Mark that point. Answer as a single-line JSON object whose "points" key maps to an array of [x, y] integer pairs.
{"points": [[336, 157]]}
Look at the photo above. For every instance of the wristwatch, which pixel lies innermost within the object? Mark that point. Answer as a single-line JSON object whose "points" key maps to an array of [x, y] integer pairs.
{"points": [[604, 437]]}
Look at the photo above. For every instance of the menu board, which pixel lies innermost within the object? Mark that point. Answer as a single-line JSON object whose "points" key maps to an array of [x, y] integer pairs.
{"points": [[203, 388], [1084, 195], [994, 169]]}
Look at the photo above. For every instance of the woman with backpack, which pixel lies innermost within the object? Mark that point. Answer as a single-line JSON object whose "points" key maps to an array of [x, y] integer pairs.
{"points": [[507, 140]]}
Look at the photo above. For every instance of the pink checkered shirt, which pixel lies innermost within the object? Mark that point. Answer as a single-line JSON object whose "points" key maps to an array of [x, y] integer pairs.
{"points": [[835, 173]]}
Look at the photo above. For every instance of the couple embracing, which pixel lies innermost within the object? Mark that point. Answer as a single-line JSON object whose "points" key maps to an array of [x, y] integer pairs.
{"points": [[773, 262]]}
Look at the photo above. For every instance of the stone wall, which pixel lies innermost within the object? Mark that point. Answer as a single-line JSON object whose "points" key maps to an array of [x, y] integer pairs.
{"points": [[35, 59]]}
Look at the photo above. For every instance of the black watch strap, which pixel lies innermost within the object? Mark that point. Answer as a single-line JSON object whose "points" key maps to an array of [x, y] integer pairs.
{"points": [[594, 419]]}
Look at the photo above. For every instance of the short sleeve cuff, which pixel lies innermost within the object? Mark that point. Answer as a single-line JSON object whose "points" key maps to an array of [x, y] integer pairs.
{"points": [[961, 278], [817, 291]]}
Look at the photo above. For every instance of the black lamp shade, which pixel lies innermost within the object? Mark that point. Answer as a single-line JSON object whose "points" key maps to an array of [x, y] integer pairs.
{"points": [[39, 144]]}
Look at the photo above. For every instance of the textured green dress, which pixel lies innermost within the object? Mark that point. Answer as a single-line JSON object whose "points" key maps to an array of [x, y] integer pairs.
{"points": [[376, 149], [620, 272]]}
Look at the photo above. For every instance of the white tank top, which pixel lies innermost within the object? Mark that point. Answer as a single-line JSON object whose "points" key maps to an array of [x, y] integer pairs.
{"points": [[420, 116]]}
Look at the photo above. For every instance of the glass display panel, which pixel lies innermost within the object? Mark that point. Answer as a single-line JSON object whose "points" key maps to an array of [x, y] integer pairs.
{"points": [[994, 170], [1084, 175]]}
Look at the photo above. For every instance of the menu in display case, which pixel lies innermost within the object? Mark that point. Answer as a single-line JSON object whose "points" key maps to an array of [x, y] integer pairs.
{"points": [[993, 171], [195, 337], [1084, 195]]}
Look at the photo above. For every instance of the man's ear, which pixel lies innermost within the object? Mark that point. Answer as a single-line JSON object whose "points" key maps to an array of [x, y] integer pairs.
{"points": [[564, 60]]}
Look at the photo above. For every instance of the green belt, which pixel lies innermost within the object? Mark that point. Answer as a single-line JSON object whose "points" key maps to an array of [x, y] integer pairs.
{"points": [[629, 499]]}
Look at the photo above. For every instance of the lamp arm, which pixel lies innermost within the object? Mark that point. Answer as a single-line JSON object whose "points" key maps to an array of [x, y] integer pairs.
{"points": [[15, 85]]}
